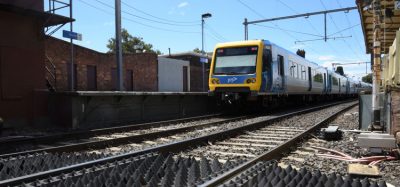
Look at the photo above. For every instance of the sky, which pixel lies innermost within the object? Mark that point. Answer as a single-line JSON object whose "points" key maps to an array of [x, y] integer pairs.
{"points": [[176, 24]]}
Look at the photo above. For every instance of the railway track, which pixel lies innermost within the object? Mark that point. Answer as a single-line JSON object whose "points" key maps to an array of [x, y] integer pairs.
{"points": [[218, 140], [74, 141]]}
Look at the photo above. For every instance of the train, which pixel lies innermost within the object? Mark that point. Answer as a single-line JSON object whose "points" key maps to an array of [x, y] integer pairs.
{"points": [[255, 70]]}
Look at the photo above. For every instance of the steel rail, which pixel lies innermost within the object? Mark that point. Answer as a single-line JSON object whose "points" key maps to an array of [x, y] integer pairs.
{"points": [[274, 153], [99, 144], [95, 132], [166, 148]]}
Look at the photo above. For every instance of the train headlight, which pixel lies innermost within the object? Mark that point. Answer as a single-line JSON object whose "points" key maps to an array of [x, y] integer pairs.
{"points": [[250, 80], [215, 81]]}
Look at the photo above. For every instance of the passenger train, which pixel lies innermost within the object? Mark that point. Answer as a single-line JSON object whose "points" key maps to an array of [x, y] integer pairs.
{"points": [[259, 69]]}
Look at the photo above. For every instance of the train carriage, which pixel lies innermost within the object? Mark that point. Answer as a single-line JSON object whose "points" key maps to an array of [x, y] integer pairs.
{"points": [[250, 70]]}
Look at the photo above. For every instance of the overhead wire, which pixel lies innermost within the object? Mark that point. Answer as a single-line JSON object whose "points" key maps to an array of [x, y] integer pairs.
{"points": [[352, 31], [148, 14], [134, 21], [309, 22], [215, 33], [334, 23], [276, 25], [298, 32], [147, 19]]}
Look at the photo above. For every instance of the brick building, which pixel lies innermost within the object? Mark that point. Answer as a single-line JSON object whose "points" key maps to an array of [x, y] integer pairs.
{"points": [[23, 100], [97, 71]]}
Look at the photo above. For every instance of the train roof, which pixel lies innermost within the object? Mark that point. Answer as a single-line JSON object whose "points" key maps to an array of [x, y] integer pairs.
{"points": [[240, 43], [267, 42]]}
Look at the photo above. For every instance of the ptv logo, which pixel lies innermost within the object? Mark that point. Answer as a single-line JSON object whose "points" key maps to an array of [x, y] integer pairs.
{"points": [[232, 80]]}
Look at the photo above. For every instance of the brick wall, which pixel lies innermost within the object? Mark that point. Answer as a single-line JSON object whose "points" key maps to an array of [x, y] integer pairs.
{"points": [[395, 114], [143, 65]]}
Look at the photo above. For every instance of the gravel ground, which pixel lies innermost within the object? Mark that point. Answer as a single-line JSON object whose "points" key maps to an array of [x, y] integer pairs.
{"points": [[50, 158], [303, 156]]}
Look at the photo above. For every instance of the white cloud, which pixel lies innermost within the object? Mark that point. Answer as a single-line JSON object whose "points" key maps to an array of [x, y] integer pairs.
{"points": [[183, 4]]}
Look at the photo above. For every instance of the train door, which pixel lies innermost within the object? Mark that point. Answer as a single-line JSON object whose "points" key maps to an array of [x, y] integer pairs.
{"points": [[340, 86], [309, 79], [266, 69], [325, 83], [281, 70]]}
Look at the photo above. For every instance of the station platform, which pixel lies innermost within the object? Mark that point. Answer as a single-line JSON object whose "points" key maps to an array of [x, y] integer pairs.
{"points": [[94, 109]]}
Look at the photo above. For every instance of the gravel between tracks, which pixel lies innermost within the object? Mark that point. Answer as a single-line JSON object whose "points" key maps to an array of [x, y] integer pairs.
{"points": [[299, 122], [303, 156], [17, 165]]}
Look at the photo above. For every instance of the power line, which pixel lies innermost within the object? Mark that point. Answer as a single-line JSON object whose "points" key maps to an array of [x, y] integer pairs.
{"points": [[298, 32], [147, 19], [134, 21], [352, 31], [148, 14], [276, 25], [215, 33], [334, 23], [309, 22]]}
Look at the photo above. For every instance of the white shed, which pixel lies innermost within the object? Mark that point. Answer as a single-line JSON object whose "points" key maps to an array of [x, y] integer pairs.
{"points": [[173, 75]]}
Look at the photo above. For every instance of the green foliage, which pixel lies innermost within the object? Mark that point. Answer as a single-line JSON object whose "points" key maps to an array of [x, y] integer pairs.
{"points": [[131, 44], [367, 78], [340, 70], [197, 50]]}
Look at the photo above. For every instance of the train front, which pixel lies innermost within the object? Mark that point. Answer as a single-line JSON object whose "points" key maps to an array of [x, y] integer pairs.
{"points": [[235, 71]]}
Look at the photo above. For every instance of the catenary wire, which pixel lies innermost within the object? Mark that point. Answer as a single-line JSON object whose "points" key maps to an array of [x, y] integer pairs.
{"points": [[147, 19], [128, 19]]}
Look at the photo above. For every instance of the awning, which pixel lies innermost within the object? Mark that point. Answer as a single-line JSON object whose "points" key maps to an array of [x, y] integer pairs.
{"points": [[390, 23], [48, 19]]}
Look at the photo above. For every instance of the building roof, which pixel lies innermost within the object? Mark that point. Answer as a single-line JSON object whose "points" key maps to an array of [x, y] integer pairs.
{"points": [[189, 53], [48, 19], [390, 24]]}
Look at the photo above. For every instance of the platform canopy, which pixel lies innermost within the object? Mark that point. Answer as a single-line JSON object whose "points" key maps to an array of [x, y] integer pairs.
{"points": [[47, 18], [390, 23]]}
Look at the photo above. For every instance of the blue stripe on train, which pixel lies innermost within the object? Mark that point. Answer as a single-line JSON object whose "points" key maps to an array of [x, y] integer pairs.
{"points": [[233, 79]]}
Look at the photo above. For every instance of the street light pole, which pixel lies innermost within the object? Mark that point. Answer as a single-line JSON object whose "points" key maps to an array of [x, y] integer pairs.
{"points": [[206, 15]]}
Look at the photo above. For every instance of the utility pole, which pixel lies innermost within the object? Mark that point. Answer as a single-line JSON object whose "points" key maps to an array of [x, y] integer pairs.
{"points": [[72, 76], [246, 31], [376, 78], [118, 46], [206, 15]]}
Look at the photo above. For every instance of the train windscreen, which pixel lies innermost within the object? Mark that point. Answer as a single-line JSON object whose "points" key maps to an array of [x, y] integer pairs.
{"points": [[237, 60]]}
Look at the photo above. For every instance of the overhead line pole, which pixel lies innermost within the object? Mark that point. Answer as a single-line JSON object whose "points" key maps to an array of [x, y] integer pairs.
{"points": [[246, 23], [71, 68], [118, 46]]}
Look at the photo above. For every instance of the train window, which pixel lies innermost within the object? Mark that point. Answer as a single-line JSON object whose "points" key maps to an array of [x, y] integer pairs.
{"points": [[318, 78], [335, 81], [281, 69], [267, 60], [292, 66], [303, 72]]}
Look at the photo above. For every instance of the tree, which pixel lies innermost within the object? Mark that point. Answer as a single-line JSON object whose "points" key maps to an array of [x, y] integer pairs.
{"points": [[367, 78], [340, 70], [197, 50], [131, 44]]}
